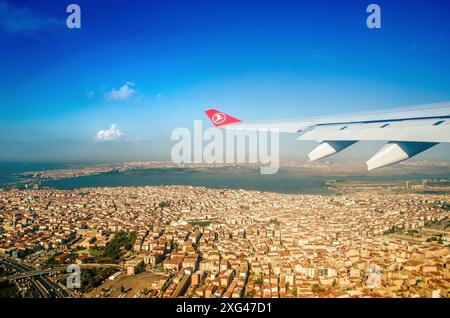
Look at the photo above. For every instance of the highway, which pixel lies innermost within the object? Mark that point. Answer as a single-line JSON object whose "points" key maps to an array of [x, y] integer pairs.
{"points": [[27, 274], [45, 286]]}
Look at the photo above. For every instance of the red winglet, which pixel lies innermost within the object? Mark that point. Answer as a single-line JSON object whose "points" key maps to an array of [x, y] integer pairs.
{"points": [[220, 119]]}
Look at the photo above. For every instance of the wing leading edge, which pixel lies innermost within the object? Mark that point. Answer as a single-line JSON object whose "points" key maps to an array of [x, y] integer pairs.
{"points": [[408, 131]]}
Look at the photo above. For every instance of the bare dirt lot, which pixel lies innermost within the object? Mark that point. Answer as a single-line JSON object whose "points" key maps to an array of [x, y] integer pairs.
{"points": [[131, 284]]}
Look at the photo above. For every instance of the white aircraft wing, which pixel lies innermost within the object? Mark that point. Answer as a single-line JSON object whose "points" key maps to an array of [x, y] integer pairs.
{"points": [[408, 131]]}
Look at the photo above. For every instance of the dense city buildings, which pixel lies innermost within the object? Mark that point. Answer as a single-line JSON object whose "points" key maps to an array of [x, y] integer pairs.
{"points": [[184, 241]]}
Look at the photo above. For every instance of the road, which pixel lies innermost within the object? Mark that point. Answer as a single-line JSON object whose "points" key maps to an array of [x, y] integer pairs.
{"points": [[27, 274], [45, 286]]}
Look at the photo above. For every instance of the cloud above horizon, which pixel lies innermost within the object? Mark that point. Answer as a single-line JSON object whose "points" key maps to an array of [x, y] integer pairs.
{"points": [[15, 19], [111, 134], [123, 93]]}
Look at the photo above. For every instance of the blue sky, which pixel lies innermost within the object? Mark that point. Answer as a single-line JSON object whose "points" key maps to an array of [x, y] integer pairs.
{"points": [[151, 66]]}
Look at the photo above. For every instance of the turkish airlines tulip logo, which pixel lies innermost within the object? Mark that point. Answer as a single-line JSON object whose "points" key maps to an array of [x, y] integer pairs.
{"points": [[219, 118]]}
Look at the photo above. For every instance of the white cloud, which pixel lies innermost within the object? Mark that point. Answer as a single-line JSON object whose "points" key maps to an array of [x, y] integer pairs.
{"points": [[123, 93], [113, 133]]}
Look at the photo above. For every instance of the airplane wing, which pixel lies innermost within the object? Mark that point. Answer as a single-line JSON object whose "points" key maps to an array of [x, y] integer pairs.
{"points": [[408, 131]]}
